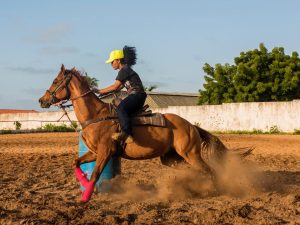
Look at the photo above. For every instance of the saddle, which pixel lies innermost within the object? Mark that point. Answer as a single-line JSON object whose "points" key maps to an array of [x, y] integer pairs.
{"points": [[142, 117]]}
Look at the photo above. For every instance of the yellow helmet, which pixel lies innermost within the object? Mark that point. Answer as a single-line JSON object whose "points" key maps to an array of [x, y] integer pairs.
{"points": [[116, 54]]}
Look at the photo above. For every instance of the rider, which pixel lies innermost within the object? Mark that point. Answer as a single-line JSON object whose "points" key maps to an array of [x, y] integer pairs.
{"points": [[123, 60]]}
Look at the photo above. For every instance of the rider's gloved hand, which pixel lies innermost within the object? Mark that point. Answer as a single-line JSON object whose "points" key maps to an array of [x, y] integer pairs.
{"points": [[95, 90]]}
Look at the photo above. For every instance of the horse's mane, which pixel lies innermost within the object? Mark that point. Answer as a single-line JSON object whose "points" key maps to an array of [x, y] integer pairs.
{"points": [[80, 76]]}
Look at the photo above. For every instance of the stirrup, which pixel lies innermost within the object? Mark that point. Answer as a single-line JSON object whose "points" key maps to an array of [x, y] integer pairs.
{"points": [[129, 139], [122, 137]]}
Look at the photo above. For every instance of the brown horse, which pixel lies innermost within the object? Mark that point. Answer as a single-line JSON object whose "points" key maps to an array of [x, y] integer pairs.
{"points": [[179, 140]]}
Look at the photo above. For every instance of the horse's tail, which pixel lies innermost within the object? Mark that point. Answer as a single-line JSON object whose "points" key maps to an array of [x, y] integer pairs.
{"points": [[242, 152], [213, 151]]}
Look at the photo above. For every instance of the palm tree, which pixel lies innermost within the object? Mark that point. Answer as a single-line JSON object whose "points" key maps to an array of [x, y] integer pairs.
{"points": [[150, 88], [92, 81]]}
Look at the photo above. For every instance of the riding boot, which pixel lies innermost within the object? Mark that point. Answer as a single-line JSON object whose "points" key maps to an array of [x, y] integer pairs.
{"points": [[122, 137]]}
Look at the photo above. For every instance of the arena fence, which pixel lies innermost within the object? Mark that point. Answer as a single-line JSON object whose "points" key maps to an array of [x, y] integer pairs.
{"points": [[263, 116]]}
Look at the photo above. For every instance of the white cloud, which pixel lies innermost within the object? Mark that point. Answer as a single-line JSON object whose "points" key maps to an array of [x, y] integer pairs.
{"points": [[51, 34], [91, 54], [54, 33], [58, 50], [31, 70]]}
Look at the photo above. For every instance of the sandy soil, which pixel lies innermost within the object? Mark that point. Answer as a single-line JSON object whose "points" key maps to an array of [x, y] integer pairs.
{"points": [[37, 186]]}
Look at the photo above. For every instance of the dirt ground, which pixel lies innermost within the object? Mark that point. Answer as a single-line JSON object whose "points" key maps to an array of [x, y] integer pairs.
{"points": [[37, 186]]}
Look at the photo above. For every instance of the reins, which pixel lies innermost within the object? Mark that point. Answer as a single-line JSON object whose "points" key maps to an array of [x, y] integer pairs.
{"points": [[82, 95], [67, 115], [63, 107]]}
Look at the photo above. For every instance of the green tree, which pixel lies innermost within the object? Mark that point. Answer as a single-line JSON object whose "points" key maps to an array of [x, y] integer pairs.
{"points": [[256, 75]]}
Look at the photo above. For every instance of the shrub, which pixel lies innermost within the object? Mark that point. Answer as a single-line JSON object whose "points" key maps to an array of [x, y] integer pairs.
{"points": [[6, 132], [74, 124], [197, 124], [296, 131], [18, 125], [257, 131], [57, 128], [274, 130]]}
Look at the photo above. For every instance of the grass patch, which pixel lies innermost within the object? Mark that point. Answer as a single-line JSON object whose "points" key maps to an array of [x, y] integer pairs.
{"points": [[46, 128], [240, 132], [58, 128], [6, 131], [297, 131], [271, 131]]}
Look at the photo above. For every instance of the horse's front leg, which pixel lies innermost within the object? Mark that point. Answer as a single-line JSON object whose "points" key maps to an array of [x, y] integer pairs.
{"points": [[103, 155], [87, 157]]}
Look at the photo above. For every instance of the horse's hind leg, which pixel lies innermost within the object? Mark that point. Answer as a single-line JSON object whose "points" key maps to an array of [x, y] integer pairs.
{"points": [[171, 158], [188, 145], [193, 157]]}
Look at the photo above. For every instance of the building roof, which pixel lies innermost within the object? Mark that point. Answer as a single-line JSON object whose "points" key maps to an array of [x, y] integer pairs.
{"points": [[163, 99], [3, 111]]}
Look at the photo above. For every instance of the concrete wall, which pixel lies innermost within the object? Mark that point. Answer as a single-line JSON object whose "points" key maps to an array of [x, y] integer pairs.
{"points": [[34, 120], [242, 116], [225, 117]]}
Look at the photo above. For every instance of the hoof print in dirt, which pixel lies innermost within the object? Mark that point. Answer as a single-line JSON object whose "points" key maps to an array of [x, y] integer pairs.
{"points": [[245, 210], [296, 199]]}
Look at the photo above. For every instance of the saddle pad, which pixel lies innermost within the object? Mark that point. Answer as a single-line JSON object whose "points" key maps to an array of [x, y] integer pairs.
{"points": [[155, 119]]}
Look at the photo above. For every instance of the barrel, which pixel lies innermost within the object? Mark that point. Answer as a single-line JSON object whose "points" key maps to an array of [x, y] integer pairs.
{"points": [[111, 169]]}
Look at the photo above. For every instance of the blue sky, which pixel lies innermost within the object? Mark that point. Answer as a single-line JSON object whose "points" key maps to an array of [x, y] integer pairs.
{"points": [[173, 39]]}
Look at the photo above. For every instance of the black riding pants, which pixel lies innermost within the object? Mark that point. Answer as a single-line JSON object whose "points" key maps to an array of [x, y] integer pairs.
{"points": [[129, 105]]}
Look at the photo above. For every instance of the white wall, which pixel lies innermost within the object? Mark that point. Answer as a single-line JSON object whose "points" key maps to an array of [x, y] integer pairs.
{"points": [[34, 120], [225, 117], [242, 116]]}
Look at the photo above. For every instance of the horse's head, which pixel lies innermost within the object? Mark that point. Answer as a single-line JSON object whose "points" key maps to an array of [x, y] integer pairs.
{"points": [[59, 89]]}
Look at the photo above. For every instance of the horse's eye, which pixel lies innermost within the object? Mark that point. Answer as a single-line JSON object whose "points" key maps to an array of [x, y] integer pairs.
{"points": [[55, 81]]}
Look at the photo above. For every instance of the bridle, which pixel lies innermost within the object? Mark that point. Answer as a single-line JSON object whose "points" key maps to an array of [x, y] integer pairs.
{"points": [[64, 84], [61, 85]]}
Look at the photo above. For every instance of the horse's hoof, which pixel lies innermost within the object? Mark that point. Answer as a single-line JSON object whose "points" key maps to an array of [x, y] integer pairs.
{"points": [[81, 176], [87, 193]]}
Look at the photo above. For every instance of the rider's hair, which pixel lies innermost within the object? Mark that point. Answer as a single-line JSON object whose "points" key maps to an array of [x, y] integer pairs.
{"points": [[129, 56]]}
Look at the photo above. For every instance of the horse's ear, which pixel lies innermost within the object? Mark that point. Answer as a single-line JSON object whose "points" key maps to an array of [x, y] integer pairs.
{"points": [[62, 69], [74, 69]]}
